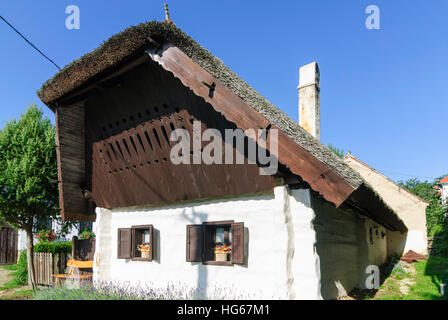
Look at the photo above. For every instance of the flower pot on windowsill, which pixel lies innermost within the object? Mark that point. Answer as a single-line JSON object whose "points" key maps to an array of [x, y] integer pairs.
{"points": [[145, 254], [221, 256]]}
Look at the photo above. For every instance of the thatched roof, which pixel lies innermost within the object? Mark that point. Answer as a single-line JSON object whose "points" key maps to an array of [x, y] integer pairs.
{"points": [[134, 40]]}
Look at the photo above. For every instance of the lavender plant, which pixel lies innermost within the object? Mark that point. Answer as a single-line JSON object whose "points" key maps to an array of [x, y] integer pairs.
{"points": [[121, 290]]}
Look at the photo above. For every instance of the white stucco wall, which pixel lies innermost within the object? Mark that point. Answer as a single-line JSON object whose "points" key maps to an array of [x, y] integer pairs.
{"points": [[298, 246], [280, 257], [304, 263], [444, 192]]}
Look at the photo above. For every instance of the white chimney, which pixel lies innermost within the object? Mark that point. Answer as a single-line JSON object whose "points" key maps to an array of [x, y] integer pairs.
{"points": [[309, 105]]}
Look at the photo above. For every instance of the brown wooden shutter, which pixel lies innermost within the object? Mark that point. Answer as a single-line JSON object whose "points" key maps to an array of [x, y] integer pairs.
{"points": [[124, 243], [151, 241], [238, 243], [194, 243]]}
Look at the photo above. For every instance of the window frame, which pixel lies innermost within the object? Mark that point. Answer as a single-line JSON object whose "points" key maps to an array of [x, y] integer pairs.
{"points": [[134, 230], [205, 224], [132, 234]]}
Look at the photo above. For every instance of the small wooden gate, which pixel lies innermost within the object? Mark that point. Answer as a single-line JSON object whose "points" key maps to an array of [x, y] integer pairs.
{"points": [[8, 245], [47, 264]]}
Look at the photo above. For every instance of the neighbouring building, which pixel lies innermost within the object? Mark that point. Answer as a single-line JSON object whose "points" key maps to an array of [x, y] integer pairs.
{"points": [[410, 208], [444, 194], [56, 227], [305, 231]]}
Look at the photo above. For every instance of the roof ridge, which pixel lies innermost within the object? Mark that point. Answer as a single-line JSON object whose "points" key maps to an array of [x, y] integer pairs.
{"points": [[135, 38], [349, 155]]}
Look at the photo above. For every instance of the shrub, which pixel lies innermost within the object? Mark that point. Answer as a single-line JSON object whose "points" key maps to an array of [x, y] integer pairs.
{"points": [[54, 247], [21, 275]]}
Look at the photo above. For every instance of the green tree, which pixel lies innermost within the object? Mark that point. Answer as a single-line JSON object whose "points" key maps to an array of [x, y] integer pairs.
{"points": [[339, 152], [436, 221], [27, 174]]}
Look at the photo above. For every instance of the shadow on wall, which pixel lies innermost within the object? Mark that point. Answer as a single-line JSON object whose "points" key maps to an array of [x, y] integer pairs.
{"points": [[396, 242], [202, 279], [156, 246], [343, 250]]}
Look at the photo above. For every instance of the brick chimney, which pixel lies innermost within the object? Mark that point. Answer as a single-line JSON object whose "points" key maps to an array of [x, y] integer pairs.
{"points": [[309, 104]]}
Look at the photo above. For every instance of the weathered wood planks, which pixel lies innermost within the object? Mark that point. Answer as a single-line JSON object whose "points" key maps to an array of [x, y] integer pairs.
{"points": [[71, 155], [319, 176]]}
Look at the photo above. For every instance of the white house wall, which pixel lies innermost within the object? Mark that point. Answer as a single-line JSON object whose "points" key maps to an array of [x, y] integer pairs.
{"points": [[298, 246], [413, 240], [444, 193], [304, 262], [275, 224]]}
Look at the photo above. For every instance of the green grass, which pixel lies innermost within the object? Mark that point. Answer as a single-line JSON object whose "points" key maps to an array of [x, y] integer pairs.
{"points": [[12, 267], [23, 294], [14, 283], [20, 273], [429, 275]]}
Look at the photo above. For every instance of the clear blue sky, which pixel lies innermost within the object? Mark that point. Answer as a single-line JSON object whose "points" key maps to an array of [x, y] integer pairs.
{"points": [[384, 92]]}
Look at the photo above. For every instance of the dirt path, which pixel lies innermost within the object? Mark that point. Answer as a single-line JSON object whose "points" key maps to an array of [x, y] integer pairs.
{"points": [[4, 276], [401, 285]]}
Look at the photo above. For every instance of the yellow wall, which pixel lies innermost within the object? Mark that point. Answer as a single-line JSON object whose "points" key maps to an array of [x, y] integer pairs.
{"points": [[410, 209]]}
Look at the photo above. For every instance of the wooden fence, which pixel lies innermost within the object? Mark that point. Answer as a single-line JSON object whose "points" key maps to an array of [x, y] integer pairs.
{"points": [[47, 264]]}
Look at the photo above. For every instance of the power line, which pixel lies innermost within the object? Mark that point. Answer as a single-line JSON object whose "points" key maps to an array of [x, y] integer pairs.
{"points": [[32, 45]]}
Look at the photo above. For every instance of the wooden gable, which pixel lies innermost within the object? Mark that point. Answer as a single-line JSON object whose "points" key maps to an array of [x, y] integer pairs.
{"points": [[299, 161], [128, 119], [124, 155]]}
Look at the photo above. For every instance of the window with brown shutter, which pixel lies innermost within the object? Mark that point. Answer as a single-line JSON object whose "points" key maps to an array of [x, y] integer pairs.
{"points": [[135, 243], [216, 243], [194, 243]]}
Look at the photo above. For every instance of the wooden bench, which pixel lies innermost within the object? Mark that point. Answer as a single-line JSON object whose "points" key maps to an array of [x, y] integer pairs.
{"points": [[72, 265]]}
